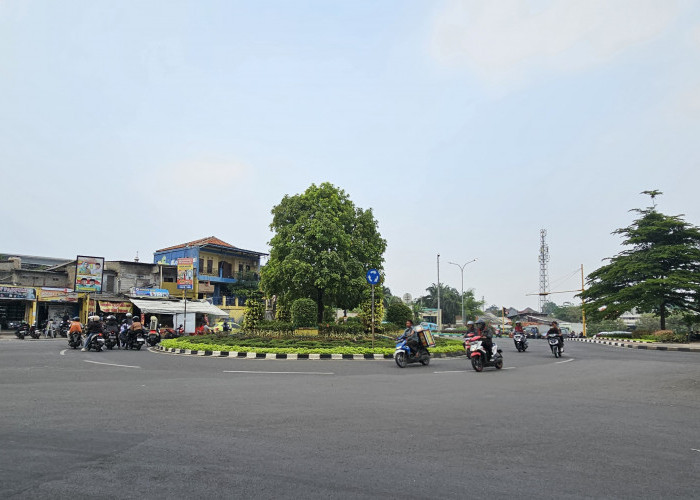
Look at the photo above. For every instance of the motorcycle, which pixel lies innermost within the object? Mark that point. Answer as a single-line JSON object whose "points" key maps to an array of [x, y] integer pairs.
{"points": [[467, 344], [479, 358], [403, 355], [24, 329], [520, 341], [111, 338], [135, 340], [554, 345], [75, 340], [97, 342], [63, 329], [153, 338]]}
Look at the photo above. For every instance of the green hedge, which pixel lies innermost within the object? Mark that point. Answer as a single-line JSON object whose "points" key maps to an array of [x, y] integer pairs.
{"points": [[293, 346]]}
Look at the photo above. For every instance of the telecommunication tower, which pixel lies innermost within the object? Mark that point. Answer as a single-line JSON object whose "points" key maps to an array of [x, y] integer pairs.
{"points": [[544, 277]]}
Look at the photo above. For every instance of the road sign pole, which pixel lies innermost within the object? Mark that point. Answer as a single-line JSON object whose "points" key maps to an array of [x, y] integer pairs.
{"points": [[372, 316]]}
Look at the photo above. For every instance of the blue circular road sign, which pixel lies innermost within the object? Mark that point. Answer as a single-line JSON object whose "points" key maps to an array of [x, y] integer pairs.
{"points": [[373, 276]]}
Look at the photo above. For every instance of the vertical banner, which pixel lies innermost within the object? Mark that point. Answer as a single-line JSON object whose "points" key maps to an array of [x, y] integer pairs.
{"points": [[88, 274], [185, 273]]}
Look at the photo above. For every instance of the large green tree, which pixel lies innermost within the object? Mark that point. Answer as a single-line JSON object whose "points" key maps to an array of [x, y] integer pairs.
{"points": [[451, 302], [322, 247], [659, 272]]}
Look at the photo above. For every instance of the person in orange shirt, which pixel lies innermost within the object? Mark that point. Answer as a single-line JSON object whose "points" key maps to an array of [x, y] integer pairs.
{"points": [[75, 328]]}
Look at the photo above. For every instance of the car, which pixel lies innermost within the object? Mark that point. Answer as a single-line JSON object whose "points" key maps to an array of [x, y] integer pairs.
{"points": [[429, 326]]}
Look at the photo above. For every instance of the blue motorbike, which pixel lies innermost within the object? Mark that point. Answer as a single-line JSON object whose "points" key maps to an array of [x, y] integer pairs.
{"points": [[403, 355]]}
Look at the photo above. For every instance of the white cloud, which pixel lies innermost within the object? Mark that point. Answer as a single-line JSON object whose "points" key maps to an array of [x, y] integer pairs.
{"points": [[506, 39]]}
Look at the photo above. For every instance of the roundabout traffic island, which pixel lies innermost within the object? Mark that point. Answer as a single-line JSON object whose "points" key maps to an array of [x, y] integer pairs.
{"points": [[288, 349]]}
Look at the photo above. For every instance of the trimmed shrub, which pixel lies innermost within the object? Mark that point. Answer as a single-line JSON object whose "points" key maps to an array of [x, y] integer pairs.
{"points": [[398, 313], [669, 336], [254, 310], [304, 313]]}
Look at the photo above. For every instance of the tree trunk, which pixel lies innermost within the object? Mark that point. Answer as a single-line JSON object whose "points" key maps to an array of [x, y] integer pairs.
{"points": [[319, 306], [662, 315]]}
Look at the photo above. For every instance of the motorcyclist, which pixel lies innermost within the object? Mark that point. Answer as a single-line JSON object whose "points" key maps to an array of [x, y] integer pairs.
{"points": [[227, 327], [471, 332], [135, 328], [411, 337], [556, 332], [113, 325], [94, 327], [75, 328], [486, 334]]}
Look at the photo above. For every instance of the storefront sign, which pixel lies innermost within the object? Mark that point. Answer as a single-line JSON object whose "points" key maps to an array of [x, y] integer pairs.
{"points": [[88, 274], [17, 292], [185, 271], [57, 295], [115, 307], [149, 292]]}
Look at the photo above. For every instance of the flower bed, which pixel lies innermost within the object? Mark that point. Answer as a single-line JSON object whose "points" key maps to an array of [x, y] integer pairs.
{"points": [[238, 343]]}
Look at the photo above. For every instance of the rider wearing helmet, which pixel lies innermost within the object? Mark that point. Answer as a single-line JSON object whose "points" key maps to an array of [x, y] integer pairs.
{"points": [[556, 332], [486, 334], [75, 326], [94, 327]]}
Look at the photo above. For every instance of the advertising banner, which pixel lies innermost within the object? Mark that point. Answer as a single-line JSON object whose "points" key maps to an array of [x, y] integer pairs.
{"points": [[17, 292], [115, 307], [185, 273], [88, 274], [149, 292], [57, 295]]}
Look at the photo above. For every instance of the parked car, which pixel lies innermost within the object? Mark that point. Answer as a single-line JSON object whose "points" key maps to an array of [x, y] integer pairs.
{"points": [[429, 326]]}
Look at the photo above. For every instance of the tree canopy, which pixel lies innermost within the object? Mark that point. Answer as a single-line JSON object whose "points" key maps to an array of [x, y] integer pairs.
{"points": [[451, 302], [322, 247], [658, 273]]}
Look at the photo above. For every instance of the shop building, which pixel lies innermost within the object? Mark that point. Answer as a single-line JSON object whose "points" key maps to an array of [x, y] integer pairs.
{"points": [[216, 263]]}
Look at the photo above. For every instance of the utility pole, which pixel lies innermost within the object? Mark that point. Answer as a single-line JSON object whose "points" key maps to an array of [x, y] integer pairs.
{"points": [[439, 316], [461, 268], [583, 303]]}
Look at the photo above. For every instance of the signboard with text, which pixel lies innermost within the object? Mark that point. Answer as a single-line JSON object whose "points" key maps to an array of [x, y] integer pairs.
{"points": [[149, 292], [185, 273]]}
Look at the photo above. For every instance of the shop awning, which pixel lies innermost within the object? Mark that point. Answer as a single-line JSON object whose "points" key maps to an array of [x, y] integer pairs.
{"points": [[177, 307]]}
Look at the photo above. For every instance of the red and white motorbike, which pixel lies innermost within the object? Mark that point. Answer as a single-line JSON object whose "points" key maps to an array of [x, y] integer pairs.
{"points": [[479, 358]]}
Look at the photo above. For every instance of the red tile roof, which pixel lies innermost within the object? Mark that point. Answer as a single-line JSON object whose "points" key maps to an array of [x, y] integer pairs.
{"points": [[210, 240]]}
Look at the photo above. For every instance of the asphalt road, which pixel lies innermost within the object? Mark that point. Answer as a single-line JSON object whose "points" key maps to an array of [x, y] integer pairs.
{"points": [[602, 422]]}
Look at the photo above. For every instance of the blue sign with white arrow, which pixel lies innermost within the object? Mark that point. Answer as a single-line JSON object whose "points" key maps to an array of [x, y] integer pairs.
{"points": [[373, 276]]}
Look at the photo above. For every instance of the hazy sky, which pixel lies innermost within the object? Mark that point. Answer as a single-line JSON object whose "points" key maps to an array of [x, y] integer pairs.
{"points": [[467, 126]]}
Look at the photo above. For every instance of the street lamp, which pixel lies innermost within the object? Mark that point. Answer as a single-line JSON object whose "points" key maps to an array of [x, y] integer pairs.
{"points": [[461, 268]]}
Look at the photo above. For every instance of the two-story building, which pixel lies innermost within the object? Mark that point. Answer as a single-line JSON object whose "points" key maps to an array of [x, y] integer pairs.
{"points": [[216, 263]]}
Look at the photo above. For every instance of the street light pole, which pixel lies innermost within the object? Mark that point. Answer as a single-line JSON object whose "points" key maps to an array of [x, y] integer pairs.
{"points": [[438, 292], [461, 268]]}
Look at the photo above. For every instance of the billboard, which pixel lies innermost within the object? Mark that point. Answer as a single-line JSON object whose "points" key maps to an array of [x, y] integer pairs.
{"points": [[185, 273], [88, 274]]}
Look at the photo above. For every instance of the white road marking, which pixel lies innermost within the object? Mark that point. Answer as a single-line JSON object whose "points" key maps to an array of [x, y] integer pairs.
{"points": [[280, 373], [565, 361], [110, 364], [453, 371], [63, 352], [509, 368], [693, 449]]}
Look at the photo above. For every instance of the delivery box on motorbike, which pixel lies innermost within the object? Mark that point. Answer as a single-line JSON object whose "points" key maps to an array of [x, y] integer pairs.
{"points": [[425, 336]]}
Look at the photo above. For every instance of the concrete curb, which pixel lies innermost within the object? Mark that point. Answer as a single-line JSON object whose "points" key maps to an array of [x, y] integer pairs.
{"points": [[291, 356], [647, 346]]}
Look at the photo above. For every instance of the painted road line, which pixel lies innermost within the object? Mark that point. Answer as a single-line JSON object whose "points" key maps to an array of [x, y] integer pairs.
{"points": [[110, 364], [63, 352], [565, 361], [280, 373], [453, 371], [693, 449]]}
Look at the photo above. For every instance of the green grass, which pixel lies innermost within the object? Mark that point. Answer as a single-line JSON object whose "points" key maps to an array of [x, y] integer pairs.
{"points": [[241, 343]]}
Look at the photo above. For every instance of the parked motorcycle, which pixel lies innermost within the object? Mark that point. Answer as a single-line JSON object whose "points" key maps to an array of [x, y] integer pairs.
{"points": [[24, 329], [554, 345], [403, 355], [520, 341], [479, 357]]}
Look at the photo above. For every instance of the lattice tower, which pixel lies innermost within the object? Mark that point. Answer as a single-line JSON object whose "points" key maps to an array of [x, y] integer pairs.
{"points": [[544, 276]]}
